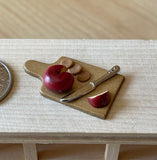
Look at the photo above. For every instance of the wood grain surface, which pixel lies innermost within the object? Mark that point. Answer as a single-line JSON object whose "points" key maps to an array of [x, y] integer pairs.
{"points": [[133, 112], [106, 19]]}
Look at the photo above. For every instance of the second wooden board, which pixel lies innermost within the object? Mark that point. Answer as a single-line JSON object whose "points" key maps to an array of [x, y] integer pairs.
{"points": [[37, 69]]}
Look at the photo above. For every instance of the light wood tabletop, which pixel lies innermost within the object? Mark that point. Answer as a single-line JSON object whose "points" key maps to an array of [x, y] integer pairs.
{"points": [[27, 117], [133, 112], [105, 19]]}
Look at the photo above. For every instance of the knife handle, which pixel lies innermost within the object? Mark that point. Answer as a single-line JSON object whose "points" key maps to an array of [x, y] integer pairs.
{"points": [[112, 72]]}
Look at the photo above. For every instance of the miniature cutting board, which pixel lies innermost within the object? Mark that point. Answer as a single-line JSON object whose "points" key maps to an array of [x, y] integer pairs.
{"points": [[113, 84]]}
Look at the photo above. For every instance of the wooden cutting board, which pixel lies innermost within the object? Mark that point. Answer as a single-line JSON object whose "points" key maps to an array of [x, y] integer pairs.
{"points": [[37, 69]]}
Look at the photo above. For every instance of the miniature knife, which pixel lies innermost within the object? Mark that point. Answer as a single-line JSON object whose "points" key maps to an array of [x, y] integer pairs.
{"points": [[90, 86]]}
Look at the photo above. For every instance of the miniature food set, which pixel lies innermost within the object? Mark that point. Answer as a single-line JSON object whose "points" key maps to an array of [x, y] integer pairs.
{"points": [[66, 75]]}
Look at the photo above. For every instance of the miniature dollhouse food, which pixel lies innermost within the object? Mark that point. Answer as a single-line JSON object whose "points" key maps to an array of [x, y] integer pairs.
{"points": [[83, 76], [37, 69], [75, 69], [57, 79], [100, 100], [67, 62]]}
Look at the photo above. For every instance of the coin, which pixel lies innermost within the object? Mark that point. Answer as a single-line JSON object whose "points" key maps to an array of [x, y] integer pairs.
{"points": [[5, 80]]}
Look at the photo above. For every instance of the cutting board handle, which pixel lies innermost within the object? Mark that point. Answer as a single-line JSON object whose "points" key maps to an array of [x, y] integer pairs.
{"points": [[35, 68]]}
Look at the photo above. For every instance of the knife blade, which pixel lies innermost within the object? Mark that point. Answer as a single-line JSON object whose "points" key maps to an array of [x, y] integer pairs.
{"points": [[87, 88]]}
